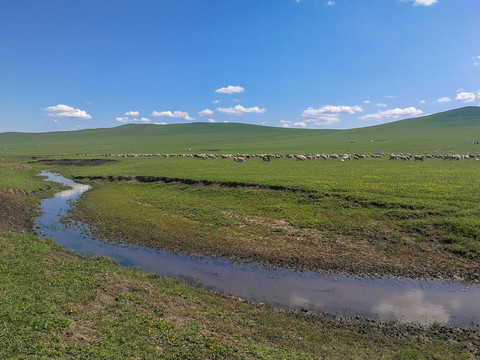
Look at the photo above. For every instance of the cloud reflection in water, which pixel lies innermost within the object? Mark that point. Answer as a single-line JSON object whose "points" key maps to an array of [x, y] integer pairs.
{"points": [[76, 190], [411, 306]]}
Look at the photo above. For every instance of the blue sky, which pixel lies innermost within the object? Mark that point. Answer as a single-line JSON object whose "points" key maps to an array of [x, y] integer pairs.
{"points": [[68, 65]]}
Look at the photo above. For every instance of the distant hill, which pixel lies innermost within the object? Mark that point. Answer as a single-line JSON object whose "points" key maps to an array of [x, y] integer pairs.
{"points": [[449, 131]]}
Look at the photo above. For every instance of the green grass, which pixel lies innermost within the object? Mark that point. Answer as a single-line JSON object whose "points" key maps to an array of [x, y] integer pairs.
{"points": [[450, 131], [377, 213], [15, 173], [54, 304]]}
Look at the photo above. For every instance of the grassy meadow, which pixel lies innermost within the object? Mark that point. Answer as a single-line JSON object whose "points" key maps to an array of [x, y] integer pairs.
{"points": [[415, 219], [450, 131], [55, 304], [368, 217]]}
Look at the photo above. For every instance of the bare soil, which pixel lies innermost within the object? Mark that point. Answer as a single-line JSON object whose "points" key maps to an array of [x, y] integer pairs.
{"points": [[15, 213], [76, 162], [309, 249]]}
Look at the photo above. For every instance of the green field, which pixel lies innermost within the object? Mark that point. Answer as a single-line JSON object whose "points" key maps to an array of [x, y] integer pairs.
{"points": [[54, 304], [366, 217], [450, 131], [406, 218]]}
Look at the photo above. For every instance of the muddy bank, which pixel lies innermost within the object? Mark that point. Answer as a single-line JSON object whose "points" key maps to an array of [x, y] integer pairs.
{"points": [[469, 337], [331, 259], [16, 214], [184, 181], [75, 162]]}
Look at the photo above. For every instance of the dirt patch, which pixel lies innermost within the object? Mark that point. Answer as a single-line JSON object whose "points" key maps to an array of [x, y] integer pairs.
{"points": [[15, 214], [63, 255], [75, 162], [79, 332], [20, 168], [309, 249]]}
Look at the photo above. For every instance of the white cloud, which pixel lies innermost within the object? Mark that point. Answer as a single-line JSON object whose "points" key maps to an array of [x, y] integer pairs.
{"points": [[393, 114], [465, 97], [206, 112], [216, 101], [444, 99], [422, 2], [413, 305], [211, 120], [131, 117], [381, 105], [127, 120], [366, 102], [65, 111], [423, 101], [331, 3], [287, 124], [328, 114], [162, 123], [300, 124], [175, 114], [73, 128], [239, 110], [230, 90], [476, 61]]}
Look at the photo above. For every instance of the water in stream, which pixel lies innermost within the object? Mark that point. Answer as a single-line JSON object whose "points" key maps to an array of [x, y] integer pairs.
{"points": [[404, 300]]}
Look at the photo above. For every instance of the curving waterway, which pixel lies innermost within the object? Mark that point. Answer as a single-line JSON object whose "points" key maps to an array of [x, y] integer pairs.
{"points": [[404, 300]]}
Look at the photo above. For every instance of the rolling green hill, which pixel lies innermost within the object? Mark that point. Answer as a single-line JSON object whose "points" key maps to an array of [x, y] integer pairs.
{"points": [[449, 131]]}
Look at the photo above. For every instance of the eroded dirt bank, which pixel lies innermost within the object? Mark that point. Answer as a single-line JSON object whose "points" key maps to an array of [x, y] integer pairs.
{"points": [[15, 212]]}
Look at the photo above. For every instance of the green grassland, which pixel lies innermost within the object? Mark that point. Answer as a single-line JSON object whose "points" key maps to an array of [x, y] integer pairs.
{"points": [[55, 304], [378, 214], [450, 131], [373, 216]]}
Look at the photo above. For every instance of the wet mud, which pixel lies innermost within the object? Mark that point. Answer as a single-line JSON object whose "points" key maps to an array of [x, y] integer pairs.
{"points": [[15, 213], [75, 162]]}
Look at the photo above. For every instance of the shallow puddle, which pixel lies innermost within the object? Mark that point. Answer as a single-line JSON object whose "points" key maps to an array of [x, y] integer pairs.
{"points": [[404, 300]]}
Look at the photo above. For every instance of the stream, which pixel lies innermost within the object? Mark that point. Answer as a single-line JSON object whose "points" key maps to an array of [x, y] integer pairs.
{"points": [[403, 300]]}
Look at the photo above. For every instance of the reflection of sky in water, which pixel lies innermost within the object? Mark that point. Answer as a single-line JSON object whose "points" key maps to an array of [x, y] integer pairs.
{"points": [[381, 299], [411, 306], [76, 190]]}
